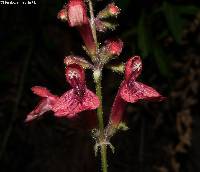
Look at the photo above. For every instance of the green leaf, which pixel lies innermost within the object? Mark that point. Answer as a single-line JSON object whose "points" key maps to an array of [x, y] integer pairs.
{"points": [[174, 20], [144, 37], [162, 60], [188, 10]]}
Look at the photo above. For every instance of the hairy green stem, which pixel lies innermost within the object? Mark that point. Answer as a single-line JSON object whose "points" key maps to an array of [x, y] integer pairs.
{"points": [[100, 108], [101, 124], [98, 79]]}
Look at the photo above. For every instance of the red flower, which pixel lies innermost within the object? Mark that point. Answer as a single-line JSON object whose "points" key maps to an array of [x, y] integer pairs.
{"points": [[76, 14], [46, 103], [132, 90], [76, 100], [79, 98]]}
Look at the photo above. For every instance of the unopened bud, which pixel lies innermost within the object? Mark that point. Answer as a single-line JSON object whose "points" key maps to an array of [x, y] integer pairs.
{"points": [[62, 15], [114, 47], [111, 49], [111, 10]]}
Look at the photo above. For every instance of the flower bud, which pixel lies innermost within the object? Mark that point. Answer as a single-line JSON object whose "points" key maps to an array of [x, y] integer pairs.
{"points": [[111, 49], [111, 10], [62, 15], [114, 47]]}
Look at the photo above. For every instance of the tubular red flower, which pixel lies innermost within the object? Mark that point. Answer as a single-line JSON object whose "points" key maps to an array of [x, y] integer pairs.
{"points": [[76, 100], [79, 98], [118, 109], [77, 17], [46, 103], [132, 91]]}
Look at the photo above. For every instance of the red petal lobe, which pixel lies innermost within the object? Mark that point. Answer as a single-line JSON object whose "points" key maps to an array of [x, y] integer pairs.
{"points": [[75, 75], [76, 11], [138, 91], [133, 67], [41, 91], [70, 103]]}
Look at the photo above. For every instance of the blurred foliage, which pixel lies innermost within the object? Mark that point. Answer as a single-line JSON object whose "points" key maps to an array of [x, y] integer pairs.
{"points": [[157, 24]]}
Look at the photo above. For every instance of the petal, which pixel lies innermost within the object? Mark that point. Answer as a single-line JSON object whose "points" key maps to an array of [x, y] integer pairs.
{"points": [[90, 100], [70, 103], [117, 110], [138, 91], [77, 14], [75, 75], [86, 34], [43, 106], [133, 68], [41, 91]]}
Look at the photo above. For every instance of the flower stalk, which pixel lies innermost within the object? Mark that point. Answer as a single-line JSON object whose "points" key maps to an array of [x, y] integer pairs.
{"points": [[101, 124], [98, 79]]}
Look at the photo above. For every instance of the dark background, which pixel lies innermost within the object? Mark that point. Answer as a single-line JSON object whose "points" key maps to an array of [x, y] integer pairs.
{"points": [[163, 137]]}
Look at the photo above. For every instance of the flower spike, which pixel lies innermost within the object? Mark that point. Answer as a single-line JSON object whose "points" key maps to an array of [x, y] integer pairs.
{"points": [[46, 103], [79, 98]]}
